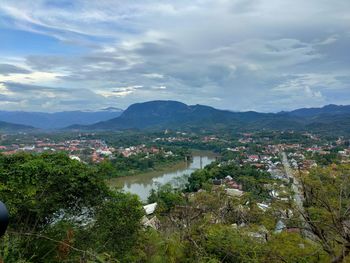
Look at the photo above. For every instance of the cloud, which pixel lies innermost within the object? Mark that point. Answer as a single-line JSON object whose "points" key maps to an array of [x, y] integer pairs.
{"points": [[302, 81], [119, 92], [31, 77], [18, 96], [159, 88], [6, 69], [230, 54], [154, 75]]}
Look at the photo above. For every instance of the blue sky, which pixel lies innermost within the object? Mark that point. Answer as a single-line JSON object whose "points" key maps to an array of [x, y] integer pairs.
{"points": [[263, 55]]}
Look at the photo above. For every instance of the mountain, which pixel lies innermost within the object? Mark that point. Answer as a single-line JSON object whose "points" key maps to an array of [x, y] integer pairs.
{"points": [[112, 109], [161, 114], [173, 114], [58, 120], [328, 110], [10, 127]]}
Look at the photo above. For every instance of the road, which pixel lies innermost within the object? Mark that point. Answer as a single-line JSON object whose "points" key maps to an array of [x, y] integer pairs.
{"points": [[298, 196]]}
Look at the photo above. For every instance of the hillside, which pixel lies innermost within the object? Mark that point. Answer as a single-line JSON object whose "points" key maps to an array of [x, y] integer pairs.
{"points": [[11, 127], [164, 114], [172, 114], [328, 110]]}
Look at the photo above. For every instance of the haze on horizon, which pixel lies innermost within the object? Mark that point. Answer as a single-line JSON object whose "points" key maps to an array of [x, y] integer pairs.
{"points": [[263, 55]]}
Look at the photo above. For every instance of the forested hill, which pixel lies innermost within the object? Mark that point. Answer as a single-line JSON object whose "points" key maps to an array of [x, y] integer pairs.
{"points": [[10, 127], [326, 110], [175, 115]]}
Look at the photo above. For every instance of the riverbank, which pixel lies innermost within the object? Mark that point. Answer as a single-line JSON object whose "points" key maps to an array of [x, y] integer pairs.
{"points": [[158, 168], [142, 183], [157, 171], [166, 167]]}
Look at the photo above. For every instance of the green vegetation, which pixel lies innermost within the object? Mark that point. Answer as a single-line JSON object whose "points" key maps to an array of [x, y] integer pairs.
{"points": [[167, 198], [141, 162], [252, 179], [62, 211], [327, 209], [209, 226], [326, 159]]}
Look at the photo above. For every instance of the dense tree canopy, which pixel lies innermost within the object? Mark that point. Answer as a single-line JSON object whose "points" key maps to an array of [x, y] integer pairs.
{"points": [[252, 179], [327, 209], [62, 211], [60, 207]]}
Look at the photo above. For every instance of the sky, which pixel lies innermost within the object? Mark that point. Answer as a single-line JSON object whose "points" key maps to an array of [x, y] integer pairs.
{"points": [[262, 55]]}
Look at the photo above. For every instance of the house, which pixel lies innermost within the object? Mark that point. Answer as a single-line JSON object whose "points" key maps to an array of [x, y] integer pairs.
{"points": [[150, 222], [150, 208], [253, 158], [28, 148], [105, 152], [258, 165], [154, 150]]}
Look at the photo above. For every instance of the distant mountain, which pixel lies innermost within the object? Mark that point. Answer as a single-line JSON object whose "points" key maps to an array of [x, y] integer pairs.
{"points": [[175, 115], [112, 109], [58, 120], [160, 114], [331, 123], [10, 127], [328, 109]]}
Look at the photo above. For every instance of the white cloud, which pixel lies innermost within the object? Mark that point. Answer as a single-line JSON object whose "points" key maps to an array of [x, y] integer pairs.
{"points": [[227, 53], [154, 76], [37, 77], [119, 92]]}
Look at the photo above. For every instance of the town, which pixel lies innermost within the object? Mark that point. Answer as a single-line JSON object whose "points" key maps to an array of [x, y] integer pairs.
{"points": [[252, 184]]}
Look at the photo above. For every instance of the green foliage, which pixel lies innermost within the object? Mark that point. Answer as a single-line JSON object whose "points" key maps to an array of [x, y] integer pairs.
{"points": [[327, 209], [197, 179], [223, 243], [228, 245], [61, 209], [141, 162], [291, 247], [35, 188], [166, 197], [154, 247], [117, 224], [252, 179], [326, 159]]}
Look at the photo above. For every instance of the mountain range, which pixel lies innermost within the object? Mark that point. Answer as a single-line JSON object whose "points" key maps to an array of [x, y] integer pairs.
{"points": [[58, 120], [156, 115], [173, 114], [11, 127]]}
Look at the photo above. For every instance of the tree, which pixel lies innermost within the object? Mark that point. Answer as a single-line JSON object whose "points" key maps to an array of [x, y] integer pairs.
{"points": [[117, 225], [327, 209], [166, 197], [37, 189], [62, 210]]}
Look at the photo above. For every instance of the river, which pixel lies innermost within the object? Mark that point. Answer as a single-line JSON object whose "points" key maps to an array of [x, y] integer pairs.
{"points": [[142, 184]]}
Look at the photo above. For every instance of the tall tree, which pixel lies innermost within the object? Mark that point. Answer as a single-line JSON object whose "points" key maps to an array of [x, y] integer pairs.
{"points": [[327, 209]]}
